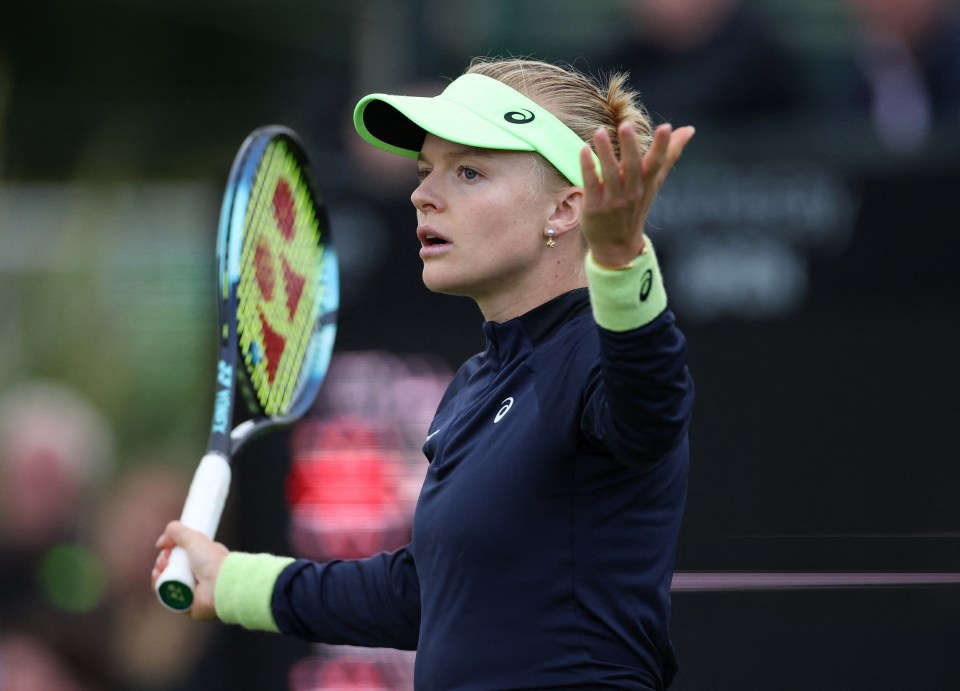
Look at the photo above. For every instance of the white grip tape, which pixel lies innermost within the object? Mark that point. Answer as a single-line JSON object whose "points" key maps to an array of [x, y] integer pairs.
{"points": [[207, 495], [201, 511]]}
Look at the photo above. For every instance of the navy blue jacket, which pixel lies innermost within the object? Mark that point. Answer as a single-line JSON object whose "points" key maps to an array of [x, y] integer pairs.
{"points": [[545, 534]]}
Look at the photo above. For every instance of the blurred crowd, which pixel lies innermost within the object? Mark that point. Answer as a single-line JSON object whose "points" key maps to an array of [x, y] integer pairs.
{"points": [[78, 522], [725, 62], [77, 536]]}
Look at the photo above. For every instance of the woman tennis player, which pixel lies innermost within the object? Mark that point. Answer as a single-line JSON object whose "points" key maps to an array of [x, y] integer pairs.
{"points": [[545, 534]]}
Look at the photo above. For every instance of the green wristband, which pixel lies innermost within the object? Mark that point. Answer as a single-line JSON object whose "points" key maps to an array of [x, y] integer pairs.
{"points": [[244, 589], [624, 299]]}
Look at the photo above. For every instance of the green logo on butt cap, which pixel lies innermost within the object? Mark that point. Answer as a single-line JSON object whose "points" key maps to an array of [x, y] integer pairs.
{"points": [[176, 596]]}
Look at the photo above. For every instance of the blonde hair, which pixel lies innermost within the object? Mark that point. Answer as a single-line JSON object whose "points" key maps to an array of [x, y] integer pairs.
{"points": [[581, 102]]}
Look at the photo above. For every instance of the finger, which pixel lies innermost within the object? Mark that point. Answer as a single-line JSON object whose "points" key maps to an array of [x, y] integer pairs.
{"points": [[655, 157], [678, 142], [591, 179], [166, 538], [178, 534], [159, 566], [631, 155], [175, 533], [609, 165]]}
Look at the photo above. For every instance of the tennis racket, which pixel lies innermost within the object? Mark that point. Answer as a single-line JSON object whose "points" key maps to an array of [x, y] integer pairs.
{"points": [[278, 290]]}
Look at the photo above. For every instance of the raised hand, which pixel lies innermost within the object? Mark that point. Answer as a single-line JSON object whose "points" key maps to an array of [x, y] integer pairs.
{"points": [[615, 208]]}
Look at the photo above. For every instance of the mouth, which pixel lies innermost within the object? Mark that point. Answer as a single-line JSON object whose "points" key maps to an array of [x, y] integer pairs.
{"points": [[430, 238]]}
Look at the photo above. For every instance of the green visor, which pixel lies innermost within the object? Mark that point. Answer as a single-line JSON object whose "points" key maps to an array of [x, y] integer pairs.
{"points": [[474, 110]]}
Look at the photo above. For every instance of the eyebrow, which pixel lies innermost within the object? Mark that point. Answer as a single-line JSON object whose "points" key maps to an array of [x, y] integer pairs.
{"points": [[460, 152]]}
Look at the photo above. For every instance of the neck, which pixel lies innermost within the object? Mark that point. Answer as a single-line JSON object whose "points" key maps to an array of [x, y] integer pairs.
{"points": [[554, 279]]}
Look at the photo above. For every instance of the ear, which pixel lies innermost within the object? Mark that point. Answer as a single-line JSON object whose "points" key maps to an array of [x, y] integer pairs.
{"points": [[567, 210]]}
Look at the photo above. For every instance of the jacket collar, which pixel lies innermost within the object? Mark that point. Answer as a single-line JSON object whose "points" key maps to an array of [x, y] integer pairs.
{"points": [[540, 323]]}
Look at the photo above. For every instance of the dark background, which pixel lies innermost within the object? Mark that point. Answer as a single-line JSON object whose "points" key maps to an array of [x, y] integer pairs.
{"points": [[813, 269]]}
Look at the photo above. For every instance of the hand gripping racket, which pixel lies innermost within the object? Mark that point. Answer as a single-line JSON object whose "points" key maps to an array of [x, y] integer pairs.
{"points": [[278, 298]]}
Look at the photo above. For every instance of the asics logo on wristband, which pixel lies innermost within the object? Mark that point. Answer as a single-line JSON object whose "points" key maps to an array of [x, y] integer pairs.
{"points": [[646, 284]]}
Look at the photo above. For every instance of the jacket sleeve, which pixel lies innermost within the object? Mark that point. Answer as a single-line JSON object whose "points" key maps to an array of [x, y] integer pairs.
{"points": [[373, 602], [639, 400]]}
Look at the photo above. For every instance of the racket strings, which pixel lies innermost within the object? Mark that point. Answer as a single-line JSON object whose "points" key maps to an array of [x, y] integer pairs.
{"points": [[290, 201], [283, 353], [279, 292]]}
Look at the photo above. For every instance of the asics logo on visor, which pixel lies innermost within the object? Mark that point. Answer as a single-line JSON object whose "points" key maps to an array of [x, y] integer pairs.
{"points": [[520, 117]]}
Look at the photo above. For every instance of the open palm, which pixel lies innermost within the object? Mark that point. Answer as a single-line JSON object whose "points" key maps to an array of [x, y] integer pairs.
{"points": [[615, 207]]}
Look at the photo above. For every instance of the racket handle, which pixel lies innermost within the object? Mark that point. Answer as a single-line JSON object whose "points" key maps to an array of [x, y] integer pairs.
{"points": [[201, 511]]}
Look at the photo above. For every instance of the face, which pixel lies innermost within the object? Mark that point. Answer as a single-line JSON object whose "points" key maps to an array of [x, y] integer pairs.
{"points": [[38, 495], [481, 218]]}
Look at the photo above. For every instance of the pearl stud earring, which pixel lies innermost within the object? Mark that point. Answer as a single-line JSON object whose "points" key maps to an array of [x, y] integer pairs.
{"points": [[550, 233]]}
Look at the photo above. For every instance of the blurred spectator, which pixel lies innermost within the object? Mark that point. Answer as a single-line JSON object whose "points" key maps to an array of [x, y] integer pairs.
{"points": [[30, 662], [908, 67], [700, 61], [148, 648], [55, 452]]}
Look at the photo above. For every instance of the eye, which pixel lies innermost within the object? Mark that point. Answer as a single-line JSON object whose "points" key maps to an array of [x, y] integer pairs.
{"points": [[422, 174], [468, 173]]}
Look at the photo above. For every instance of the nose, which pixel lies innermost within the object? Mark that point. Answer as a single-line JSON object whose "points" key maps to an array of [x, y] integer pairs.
{"points": [[425, 197]]}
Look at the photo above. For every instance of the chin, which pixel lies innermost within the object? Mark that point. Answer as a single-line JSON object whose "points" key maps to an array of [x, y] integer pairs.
{"points": [[436, 282]]}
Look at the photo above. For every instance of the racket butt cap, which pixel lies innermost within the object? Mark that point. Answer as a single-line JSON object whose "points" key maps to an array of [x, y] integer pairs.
{"points": [[176, 583], [175, 596]]}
